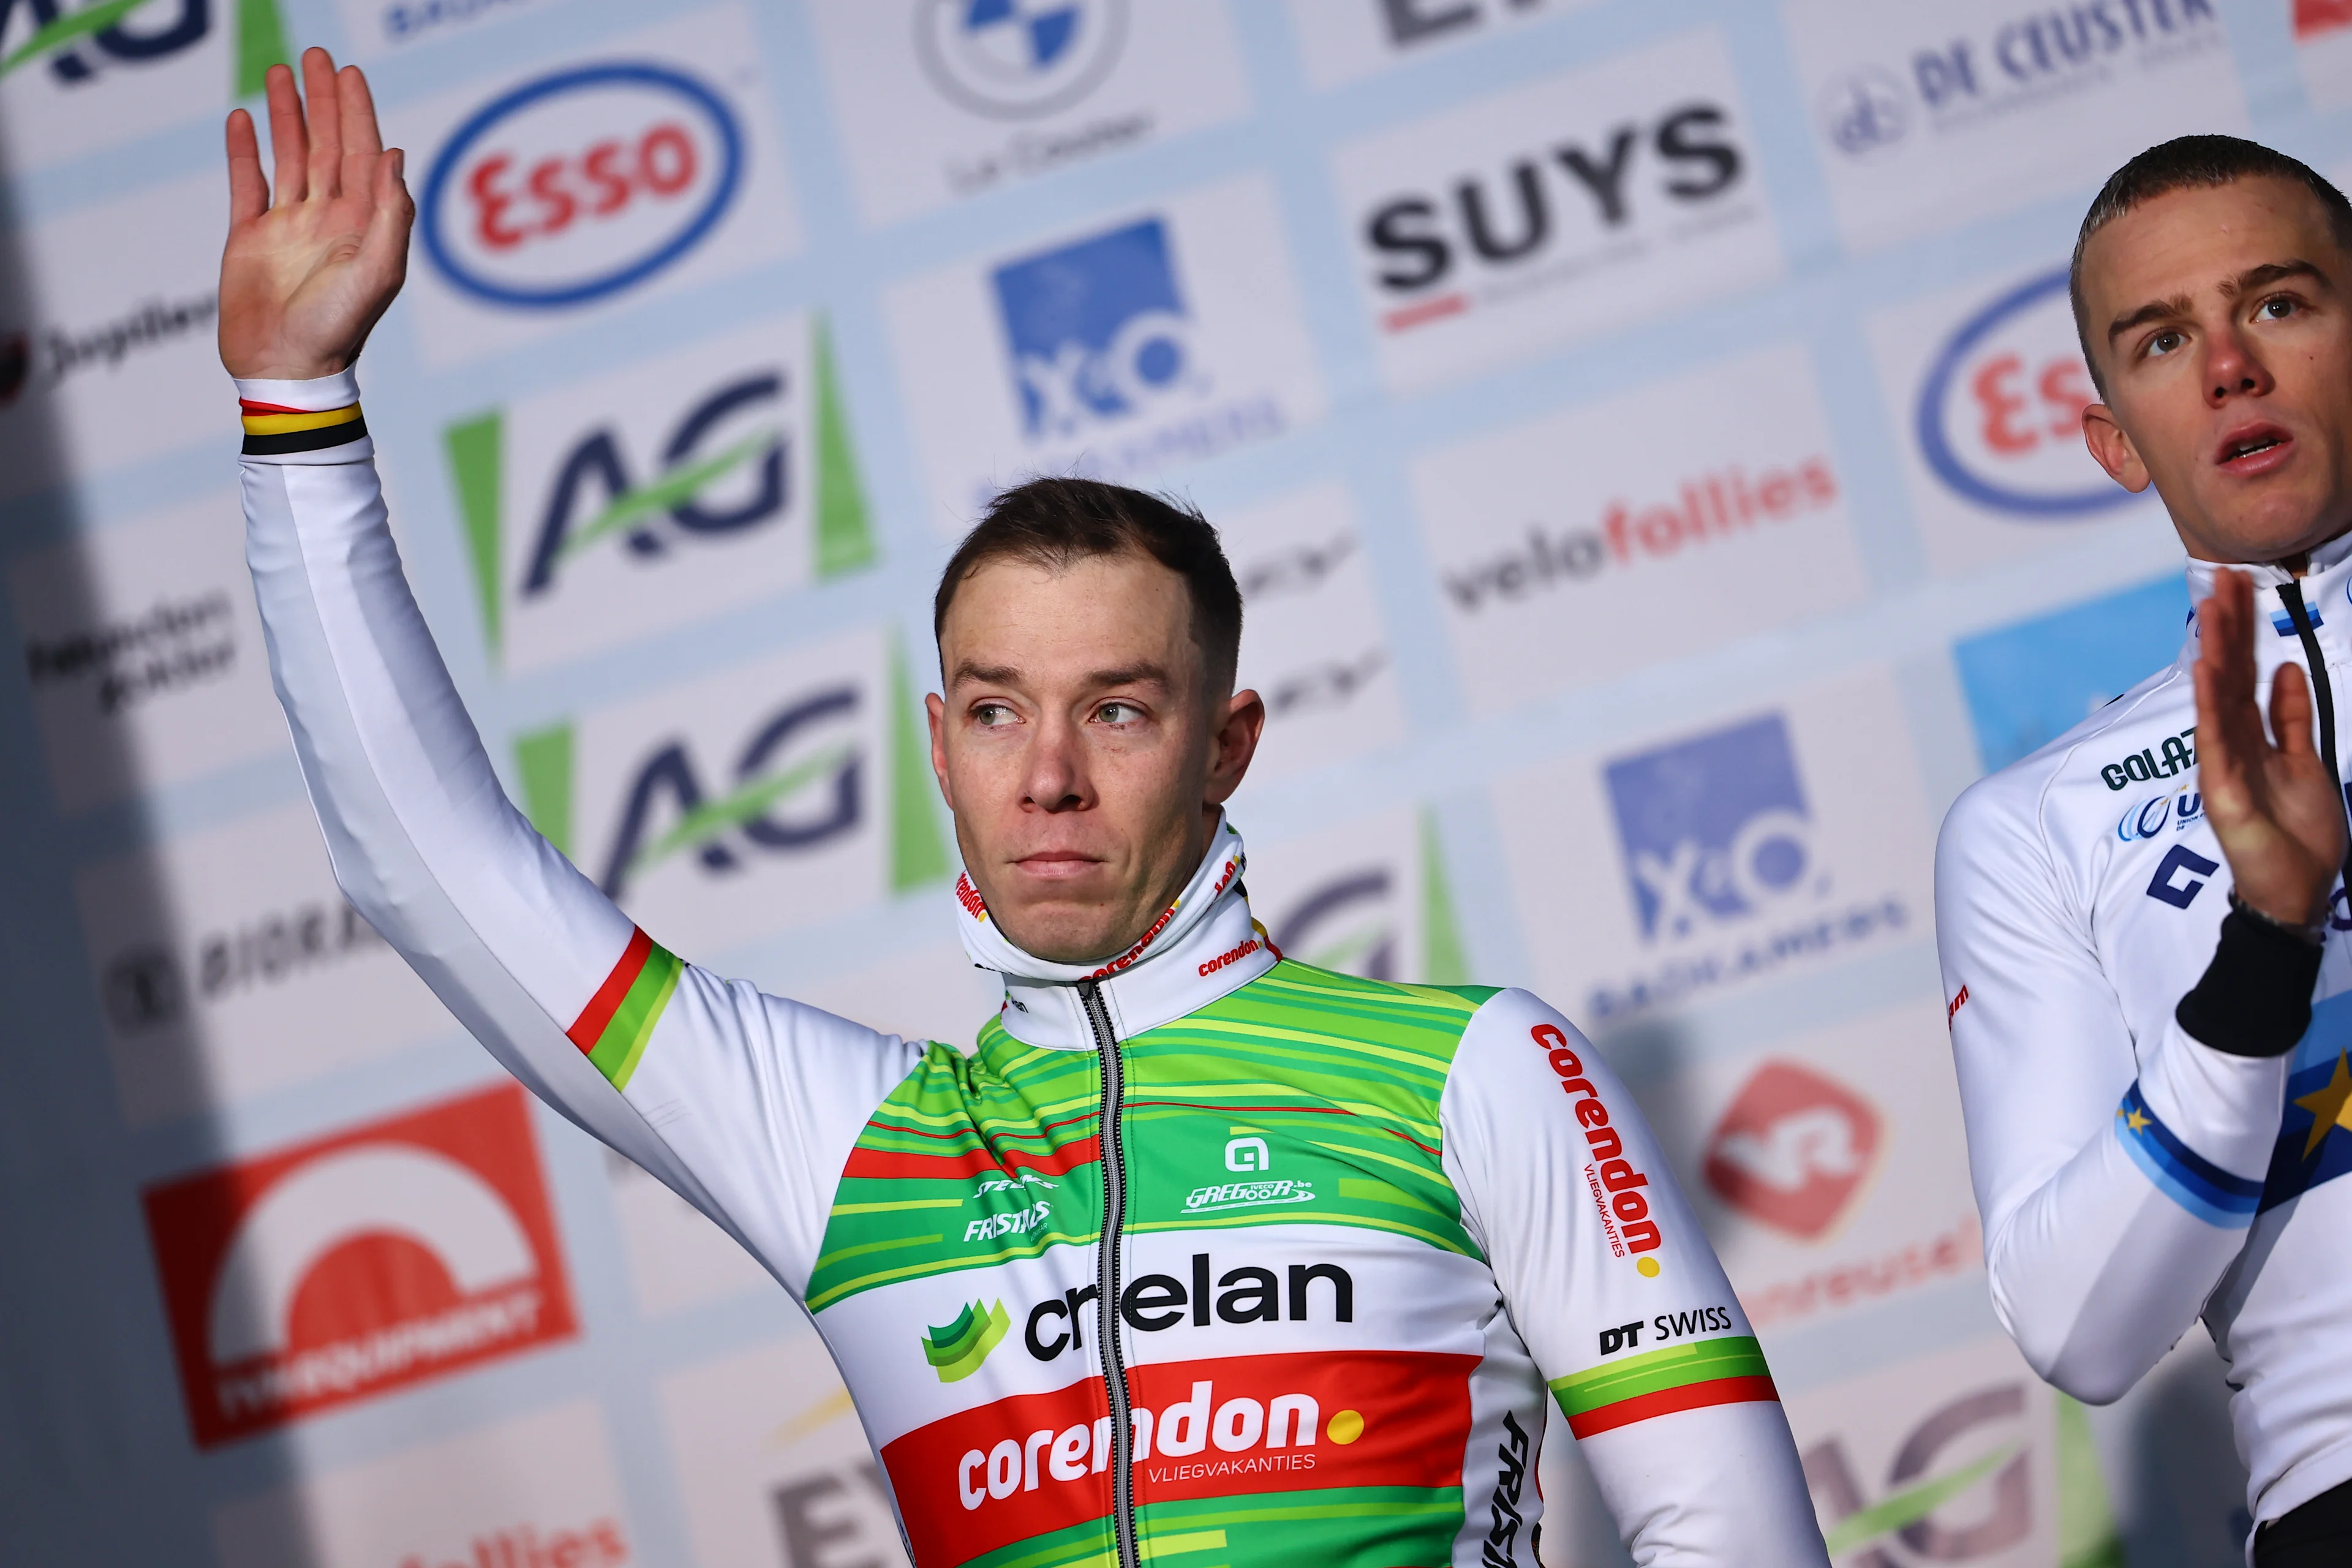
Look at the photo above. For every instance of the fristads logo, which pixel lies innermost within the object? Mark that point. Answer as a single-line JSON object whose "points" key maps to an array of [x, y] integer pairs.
{"points": [[1019, 59], [76, 78], [785, 791], [1795, 1151], [358, 1264], [658, 496], [1578, 204]]}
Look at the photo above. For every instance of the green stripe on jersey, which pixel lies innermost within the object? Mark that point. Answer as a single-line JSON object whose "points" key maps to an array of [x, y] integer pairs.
{"points": [[1655, 1372], [623, 1039]]}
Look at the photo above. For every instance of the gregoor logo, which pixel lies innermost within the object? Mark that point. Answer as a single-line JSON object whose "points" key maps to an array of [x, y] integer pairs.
{"points": [[1714, 829], [1012, 59], [580, 185], [359, 1264], [1999, 417], [1795, 1150], [1098, 329]]}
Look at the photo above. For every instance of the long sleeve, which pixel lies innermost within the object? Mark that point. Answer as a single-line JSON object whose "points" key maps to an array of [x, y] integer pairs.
{"points": [[2116, 1177], [1616, 1292], [746, 1105]]}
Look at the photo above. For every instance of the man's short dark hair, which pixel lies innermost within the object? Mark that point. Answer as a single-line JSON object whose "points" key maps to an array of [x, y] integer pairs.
{"points": [[2193, 162], [1057, 522]]}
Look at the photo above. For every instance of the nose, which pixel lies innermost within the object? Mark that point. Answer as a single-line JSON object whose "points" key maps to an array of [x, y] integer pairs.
{"points": [[2233, 368], [1056, 779]]}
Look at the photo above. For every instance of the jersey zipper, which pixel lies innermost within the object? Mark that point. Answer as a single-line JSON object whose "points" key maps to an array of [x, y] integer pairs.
{"points": [[2323, 693], [1113, 1220]]}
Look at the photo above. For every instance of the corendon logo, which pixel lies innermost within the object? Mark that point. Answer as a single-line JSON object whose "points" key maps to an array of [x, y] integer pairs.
{"points": [[358, 1264], [1494, 232], [1614, 1182], [2000, 419], [580, 185], [982, 1479], [1723, 504], [1795, 1150]]}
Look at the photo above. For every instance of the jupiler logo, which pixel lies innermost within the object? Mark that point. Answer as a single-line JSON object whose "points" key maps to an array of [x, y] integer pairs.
{"points": [[1715, 830], [1098, 330], [1015, 59]]}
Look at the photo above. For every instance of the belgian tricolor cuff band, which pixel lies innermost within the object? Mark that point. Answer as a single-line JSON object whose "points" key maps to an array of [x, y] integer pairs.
{"points": [[272, 430]]}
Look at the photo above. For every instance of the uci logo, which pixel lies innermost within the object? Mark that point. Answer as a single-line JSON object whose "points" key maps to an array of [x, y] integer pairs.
{"points": [[1014, 59], [2147, 819], [2000, 419], [580, 185], [78, 44], [723, 831]]}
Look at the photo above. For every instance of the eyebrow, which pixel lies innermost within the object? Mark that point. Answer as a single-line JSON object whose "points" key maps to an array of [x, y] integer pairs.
{"points": [[2245, 282], [1144, 673]]}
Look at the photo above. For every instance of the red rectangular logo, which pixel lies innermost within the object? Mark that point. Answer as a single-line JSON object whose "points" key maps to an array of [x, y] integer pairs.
{"points": [[358, 1263]]}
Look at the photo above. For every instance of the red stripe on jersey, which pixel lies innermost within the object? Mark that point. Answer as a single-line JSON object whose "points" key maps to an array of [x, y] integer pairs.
{"points": [[589, 1028], [1689, 1396], [885, 1165], [247, 405]]}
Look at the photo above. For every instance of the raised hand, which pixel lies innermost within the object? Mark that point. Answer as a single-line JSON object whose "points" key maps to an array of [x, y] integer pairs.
{"points": [[305, 277], [2279, 816]]}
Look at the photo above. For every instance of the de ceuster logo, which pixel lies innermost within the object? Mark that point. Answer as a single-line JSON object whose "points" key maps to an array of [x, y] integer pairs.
{"points": [[357, 1264]]}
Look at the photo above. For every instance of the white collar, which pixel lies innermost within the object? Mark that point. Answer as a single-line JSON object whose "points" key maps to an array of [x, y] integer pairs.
{"points": [[2326, 588], [1203, 946]]}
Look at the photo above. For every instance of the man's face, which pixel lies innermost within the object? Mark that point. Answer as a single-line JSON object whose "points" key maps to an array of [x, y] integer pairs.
{"points": [[1080, 748], [2222, 323]]}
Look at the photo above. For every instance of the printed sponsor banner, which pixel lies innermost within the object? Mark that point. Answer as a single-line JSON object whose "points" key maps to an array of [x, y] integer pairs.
{"points": [[549, 197], [144, 654], [228, 963], [1339, 40], [1711, 503], [2031, 682], [938, 100], [774, 1468], [600, 512], [531, 1493], [1580, 203], [1987, 386], [374, 29], [1123, 351], [360, 1263], [1767, 841], [1929, 118], [2323, 38], [778, 792], [106, 335], [1947, 1457], [80, 79], [1830, 1170], [1317, 647], [1371, 897]]}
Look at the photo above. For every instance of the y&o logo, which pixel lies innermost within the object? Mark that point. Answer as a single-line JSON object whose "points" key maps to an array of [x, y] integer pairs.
{"points": [[1098, 329], [1018, 59], [1714, 829], [581, 184]]}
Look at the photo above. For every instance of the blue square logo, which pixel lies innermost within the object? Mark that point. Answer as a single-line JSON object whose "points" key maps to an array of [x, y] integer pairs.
{"points": [[2029, 683], [1714, 829], [1098, 329]]}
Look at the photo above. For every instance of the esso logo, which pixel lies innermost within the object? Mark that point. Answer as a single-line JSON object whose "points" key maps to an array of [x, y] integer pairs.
{"points": [[580, 185], [2000, 413]]}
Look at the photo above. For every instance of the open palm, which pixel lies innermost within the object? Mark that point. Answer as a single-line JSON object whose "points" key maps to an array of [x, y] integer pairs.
{"points": [[306, 275]]}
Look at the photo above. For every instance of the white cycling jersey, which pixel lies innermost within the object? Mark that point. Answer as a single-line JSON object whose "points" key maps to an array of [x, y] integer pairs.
{"points": [[1359, 1235], [2130, 1174]]}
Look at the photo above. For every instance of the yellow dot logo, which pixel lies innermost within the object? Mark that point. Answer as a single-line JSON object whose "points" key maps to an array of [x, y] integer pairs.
{"points": [[1649, 1267], [1346, 1426]]}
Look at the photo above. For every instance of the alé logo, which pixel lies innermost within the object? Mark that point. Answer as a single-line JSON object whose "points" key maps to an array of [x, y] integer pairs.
{"points": [[1933, 1508], [2000, 414], [1715, 830], [653, 498], [1795, 1151], [357, 1264], [1389, 917], [99, 42], [1099, 331], [1016, 60], [581, 183], [955, 1350], [780, 793]]}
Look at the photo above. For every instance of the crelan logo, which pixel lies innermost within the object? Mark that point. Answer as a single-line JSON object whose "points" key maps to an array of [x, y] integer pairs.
{"points": [[84, 45], [956, 1351]]}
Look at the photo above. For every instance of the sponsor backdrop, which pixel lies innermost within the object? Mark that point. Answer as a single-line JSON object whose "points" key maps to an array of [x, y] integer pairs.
{"points": [[1647, 434]]}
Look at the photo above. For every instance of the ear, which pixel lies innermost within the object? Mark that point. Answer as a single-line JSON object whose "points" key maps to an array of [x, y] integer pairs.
{"points": [[2112, 449], [1232, 745], [936, 711]]}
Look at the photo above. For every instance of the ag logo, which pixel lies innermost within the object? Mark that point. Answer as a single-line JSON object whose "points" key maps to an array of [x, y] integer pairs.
{"points": [[1713, 829], [2000, 419], [1795, 1150], [358, 1264], [80, 44], [580, 185], [1012, 59], [1992, 1495], [1098, 328]]}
